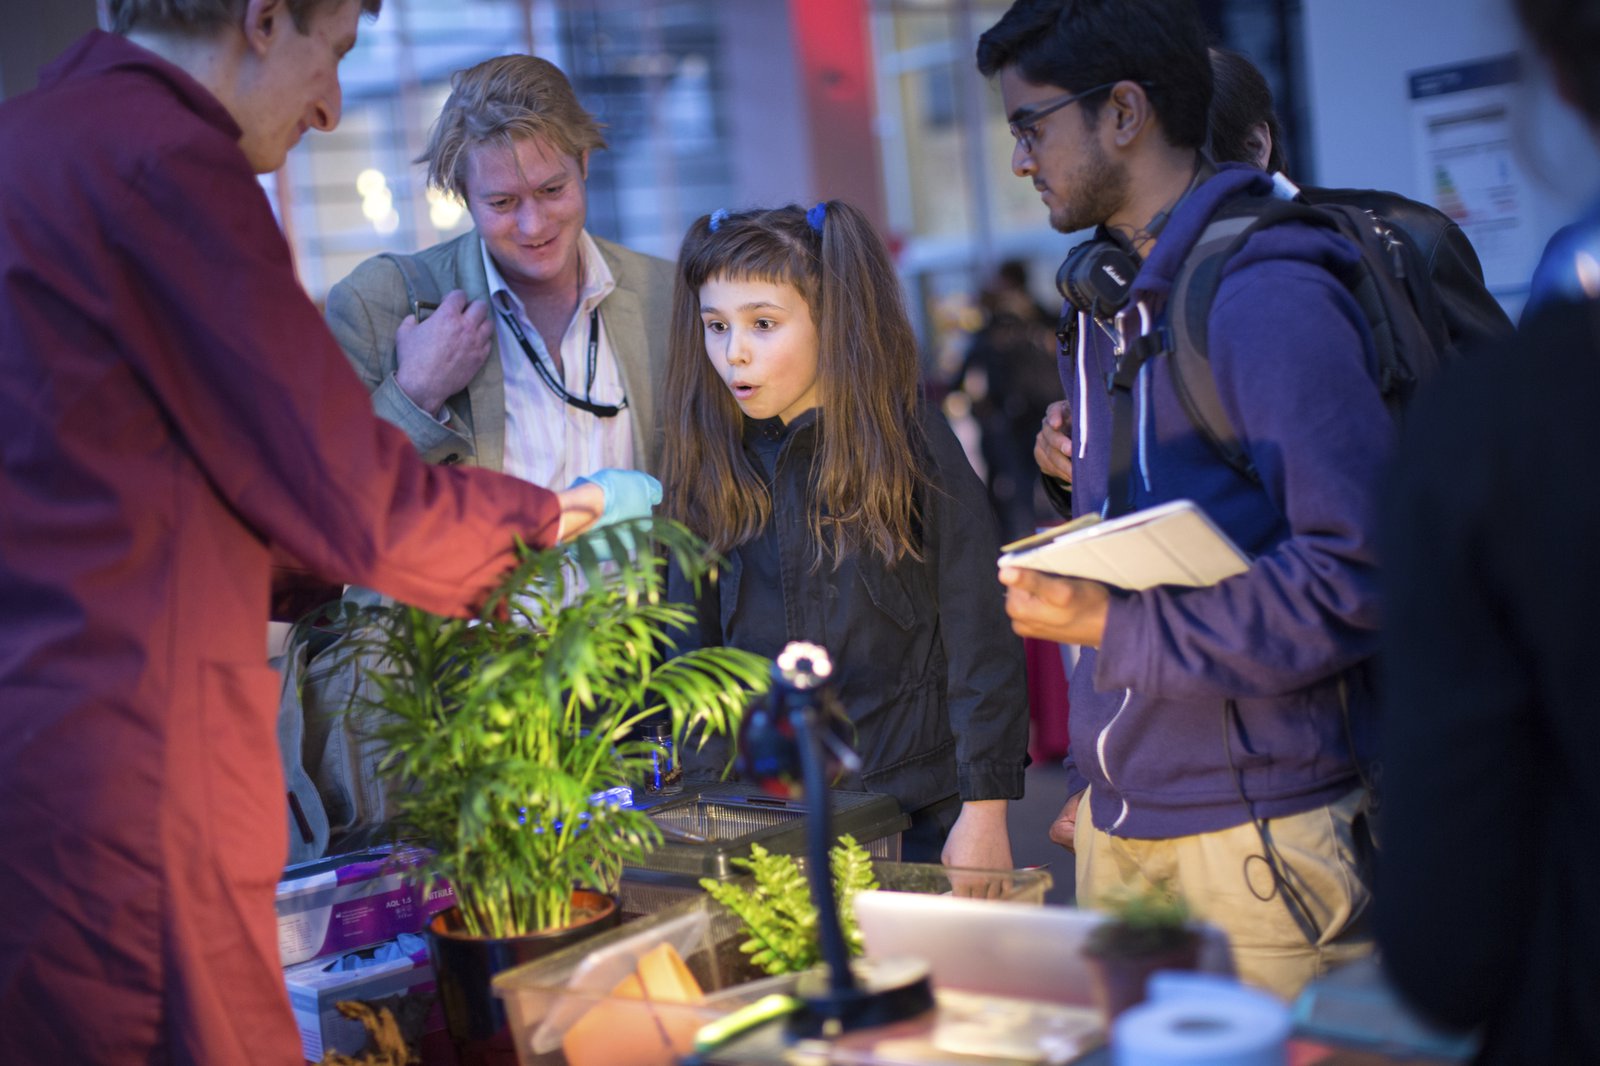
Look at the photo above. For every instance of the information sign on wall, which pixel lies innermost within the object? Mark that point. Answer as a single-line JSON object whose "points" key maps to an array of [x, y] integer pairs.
{"points": [[1467, 166]]}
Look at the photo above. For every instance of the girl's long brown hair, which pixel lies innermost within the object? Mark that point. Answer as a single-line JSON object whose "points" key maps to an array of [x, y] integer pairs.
{"points": [[868, 466]]}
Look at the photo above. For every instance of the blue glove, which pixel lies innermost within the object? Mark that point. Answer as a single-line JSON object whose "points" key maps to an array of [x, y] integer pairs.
{"points": [[629, 494]]}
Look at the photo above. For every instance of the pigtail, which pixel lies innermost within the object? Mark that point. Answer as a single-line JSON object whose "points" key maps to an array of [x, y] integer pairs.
{"points": [[870, 465]]}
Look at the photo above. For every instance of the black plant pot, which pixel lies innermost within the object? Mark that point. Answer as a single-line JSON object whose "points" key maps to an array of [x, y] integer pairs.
{"points": [[1119, 981], [463, 965]]}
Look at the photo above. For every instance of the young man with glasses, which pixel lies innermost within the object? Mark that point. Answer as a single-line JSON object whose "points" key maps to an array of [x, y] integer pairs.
{"points": [[541, 359], [1212, 729]]}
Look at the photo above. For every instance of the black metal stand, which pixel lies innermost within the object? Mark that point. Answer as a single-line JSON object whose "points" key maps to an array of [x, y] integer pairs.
{"points": [[781, 749], [840, 1004]]}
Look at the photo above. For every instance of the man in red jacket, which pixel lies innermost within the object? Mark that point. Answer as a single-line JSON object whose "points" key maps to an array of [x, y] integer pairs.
{"points": [[173, 416]]}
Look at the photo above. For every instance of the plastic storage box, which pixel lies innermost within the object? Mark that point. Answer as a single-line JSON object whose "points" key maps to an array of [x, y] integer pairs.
{"points": [[348, 902], [547, 1001], [402, 983]]}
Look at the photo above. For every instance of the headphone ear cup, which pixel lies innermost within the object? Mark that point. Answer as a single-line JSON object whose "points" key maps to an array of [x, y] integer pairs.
{"points": [[1068, 275], [1096, 277]]}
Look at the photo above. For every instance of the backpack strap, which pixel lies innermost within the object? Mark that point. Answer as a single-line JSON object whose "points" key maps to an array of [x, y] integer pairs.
{"points": [[1194, 290], [1388, 281], [422, 291]]}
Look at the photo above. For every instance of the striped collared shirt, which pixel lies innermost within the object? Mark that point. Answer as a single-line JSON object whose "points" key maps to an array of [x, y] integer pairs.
{"points": [[549, 442]]}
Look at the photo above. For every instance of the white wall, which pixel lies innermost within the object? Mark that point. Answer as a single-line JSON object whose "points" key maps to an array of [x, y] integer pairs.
{"points": [[1359, 53]]}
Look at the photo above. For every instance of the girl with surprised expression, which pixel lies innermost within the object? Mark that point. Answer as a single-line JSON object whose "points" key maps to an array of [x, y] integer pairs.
{"points": [[797, 445]]}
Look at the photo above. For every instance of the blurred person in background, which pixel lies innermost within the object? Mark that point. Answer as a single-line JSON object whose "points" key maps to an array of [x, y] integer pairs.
{"points": [[1010, 374], [1245, 129]]}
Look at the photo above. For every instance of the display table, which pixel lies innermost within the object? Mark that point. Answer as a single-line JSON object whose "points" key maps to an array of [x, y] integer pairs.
{"points": [[1352, 1017], [908, 1045]]}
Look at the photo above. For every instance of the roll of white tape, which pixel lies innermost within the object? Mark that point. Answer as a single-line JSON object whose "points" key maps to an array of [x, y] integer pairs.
{"points": [[1236, 1028]]}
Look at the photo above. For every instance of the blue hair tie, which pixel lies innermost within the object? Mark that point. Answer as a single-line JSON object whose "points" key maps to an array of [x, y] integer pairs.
{"points": [[718, 217], [816, 215]]}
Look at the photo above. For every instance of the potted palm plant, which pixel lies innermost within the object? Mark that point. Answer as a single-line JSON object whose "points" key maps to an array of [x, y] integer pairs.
{"points": [[507, 734]]}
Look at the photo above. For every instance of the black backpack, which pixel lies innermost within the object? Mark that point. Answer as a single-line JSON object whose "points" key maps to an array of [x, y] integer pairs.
{"points": [[1389, 282]]}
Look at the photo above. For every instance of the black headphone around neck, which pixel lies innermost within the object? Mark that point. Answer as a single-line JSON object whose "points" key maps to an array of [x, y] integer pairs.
{"points": [[1097, 275]]}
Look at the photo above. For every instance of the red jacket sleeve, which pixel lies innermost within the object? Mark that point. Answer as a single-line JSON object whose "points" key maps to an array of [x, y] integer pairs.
{"points": [[257, 388]]}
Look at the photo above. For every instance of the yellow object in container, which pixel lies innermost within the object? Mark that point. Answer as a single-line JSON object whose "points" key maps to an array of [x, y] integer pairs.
{"points": [[627, 1027]]}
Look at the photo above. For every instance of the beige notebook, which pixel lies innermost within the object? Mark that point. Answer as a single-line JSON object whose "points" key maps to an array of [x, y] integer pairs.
{"points": [[1172, 544]]}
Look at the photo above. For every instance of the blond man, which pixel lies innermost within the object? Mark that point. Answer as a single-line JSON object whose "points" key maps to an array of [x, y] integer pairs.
{"points": [[543, 357]]}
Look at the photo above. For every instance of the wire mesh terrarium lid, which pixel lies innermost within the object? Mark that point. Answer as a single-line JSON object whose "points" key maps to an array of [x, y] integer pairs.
{"points": [[713, 824]]}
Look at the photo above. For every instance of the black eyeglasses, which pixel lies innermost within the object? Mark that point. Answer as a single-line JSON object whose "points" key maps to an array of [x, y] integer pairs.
{"points": [[1025, 132]]}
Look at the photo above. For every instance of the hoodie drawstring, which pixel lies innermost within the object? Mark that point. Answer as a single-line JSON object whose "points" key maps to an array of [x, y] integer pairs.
{"points": [[1144, 401], [1082, 432]]}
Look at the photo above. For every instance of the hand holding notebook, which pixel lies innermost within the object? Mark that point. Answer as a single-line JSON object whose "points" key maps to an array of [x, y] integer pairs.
{"points": [[1172, 544]]}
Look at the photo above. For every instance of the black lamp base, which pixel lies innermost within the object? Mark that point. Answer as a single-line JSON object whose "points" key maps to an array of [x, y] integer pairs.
{"points": [[886, 991]]}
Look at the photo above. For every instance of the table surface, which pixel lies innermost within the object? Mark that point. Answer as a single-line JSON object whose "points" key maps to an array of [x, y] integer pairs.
{"points": [[767, 1048]]}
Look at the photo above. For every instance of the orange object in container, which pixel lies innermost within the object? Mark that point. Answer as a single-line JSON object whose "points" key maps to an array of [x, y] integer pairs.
{"points": [[627, 1025]]}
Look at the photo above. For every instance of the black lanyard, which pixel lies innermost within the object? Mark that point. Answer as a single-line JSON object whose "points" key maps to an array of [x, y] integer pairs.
{"points": [[599, 410]]}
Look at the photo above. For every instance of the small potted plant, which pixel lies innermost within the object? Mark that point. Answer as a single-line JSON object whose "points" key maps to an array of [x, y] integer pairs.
{"points": [[1145, 931], [508, 734]]}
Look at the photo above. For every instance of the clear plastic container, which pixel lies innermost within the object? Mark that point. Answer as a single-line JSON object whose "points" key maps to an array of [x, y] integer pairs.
{"points": [[567, 1009], [547, 1001]]}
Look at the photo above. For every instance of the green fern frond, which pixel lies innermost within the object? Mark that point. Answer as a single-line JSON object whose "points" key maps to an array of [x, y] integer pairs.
{"points": [[777, 909]]}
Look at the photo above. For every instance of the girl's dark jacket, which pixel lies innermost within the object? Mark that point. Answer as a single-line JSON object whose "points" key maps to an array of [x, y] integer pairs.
{"points": [[926, 664]]}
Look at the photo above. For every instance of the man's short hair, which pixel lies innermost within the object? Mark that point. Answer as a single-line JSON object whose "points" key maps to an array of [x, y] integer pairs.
{"points": [[502, 100], [1078, 44], [206, 16], [1241, 100], [1567, 32]]}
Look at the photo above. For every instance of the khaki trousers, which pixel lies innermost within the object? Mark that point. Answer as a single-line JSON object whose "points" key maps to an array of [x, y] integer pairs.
{"points": [[1226, 882]]}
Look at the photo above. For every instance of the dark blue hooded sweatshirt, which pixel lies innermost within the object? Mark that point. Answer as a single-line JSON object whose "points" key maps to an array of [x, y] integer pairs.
{"points": [[1295, 369]]}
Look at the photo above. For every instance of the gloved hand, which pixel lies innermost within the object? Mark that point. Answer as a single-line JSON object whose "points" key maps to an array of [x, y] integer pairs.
{"points": [[629, 494]]}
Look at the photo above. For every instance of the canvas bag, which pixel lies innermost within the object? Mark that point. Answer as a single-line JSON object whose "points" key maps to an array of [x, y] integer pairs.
{"points": [[308, 818], [337, 801], [326, 728]]}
